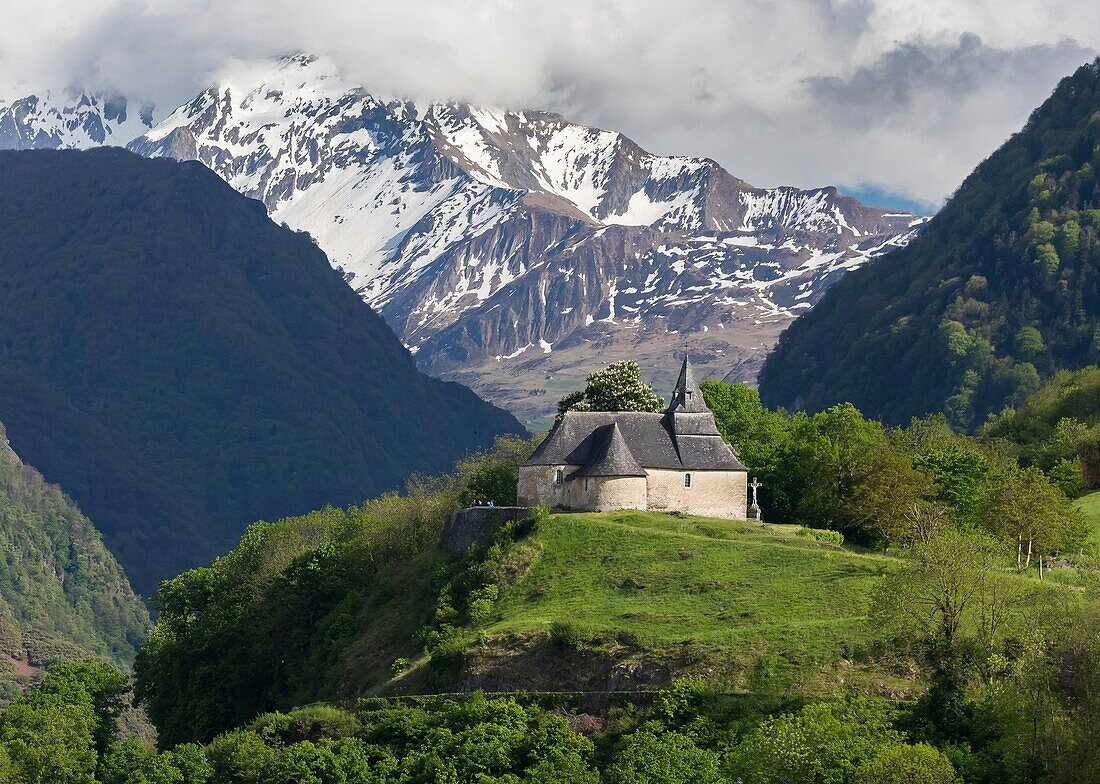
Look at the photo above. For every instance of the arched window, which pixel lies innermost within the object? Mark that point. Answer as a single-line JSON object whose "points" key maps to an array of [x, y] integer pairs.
{"points": [[687, 480], [559, 477]]}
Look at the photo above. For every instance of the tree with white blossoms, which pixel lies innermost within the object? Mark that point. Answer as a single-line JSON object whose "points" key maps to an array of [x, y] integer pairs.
{"points": [[618, 387]]}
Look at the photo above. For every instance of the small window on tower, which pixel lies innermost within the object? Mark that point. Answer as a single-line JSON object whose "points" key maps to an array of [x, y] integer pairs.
{"points": [[559, 477], [687, 480]]}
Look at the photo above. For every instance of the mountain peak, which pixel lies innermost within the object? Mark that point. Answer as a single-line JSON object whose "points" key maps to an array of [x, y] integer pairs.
{"points": [[489, 237], [72, 118]]}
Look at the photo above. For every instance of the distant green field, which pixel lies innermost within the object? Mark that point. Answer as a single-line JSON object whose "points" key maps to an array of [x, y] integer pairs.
{"points": [[1090, 505], [718, 596]]}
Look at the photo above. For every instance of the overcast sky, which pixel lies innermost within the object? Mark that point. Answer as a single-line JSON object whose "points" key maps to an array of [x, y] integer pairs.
{"points": [[892, 100]]}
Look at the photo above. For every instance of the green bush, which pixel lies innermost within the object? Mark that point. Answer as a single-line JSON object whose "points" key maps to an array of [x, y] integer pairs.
{"points": [[822, 535], [905, 764], [310, 723], [400, 665], [569, 634], [481, 604], [444, 664], [652, 755], [823, 743]]}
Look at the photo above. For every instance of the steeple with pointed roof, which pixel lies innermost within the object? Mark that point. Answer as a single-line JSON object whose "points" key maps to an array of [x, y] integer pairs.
{"points": [[674, 460], [687, 397]]}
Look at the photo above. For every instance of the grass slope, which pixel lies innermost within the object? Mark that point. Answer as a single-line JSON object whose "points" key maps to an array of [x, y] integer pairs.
{"points": [[1090, 507], [340, 604], [700, 594]]}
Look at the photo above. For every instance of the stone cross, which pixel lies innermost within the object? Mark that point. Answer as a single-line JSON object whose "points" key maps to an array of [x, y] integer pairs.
{"points": [[755, 484]]}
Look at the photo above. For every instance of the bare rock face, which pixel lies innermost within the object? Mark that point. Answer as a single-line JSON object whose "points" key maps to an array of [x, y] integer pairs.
{"points": [[516, 251], [533, 663], [71, 119]]}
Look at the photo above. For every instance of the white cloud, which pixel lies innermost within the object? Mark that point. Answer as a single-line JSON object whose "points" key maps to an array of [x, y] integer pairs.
{"points": [[905, 96]]}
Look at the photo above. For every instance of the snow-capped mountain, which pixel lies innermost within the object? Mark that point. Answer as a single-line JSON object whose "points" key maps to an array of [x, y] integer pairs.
{"points": [[516, 251], [71, 119]]}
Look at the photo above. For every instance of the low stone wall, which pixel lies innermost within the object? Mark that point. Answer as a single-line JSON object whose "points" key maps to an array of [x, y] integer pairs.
{"points": [[477, 525]]}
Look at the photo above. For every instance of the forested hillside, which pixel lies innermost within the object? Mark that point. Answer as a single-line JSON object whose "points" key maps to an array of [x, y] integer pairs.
{"points": [[181, 365], [911, 619], [999, 291], [62, 595]]}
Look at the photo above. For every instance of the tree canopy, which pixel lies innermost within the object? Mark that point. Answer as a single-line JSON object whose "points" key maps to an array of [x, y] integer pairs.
{"points": [[618, 387]]}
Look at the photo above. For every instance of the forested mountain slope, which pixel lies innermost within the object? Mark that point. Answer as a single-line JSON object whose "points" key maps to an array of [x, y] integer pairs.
{"points": [[181, 365], [1000, 289], [62, 594]]}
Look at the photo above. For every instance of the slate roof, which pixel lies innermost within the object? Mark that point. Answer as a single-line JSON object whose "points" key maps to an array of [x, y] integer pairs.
{"points": [[687, 397], [625, 443], [609, 455], [650, 439]]}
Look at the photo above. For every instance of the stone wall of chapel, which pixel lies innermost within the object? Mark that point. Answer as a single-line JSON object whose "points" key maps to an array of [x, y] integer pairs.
{"points": [[537, 486], [712, 493], [611, 493]]}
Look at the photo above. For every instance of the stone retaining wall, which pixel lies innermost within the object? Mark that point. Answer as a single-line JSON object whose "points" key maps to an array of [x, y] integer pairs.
{"points": [[477, 525]]}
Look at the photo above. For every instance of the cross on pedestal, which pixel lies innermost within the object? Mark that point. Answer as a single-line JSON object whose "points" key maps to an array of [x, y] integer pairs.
{"points": [[753, 512]]}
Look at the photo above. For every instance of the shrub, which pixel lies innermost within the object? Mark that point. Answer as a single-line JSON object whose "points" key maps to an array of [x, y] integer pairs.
{"points": [[311, 723], [822, 535], [569, 633], [481, 603], [667, 757], [1088, 452], [824, 742], [1066, 476], [400, 665], [905, 764], [444, 663]]}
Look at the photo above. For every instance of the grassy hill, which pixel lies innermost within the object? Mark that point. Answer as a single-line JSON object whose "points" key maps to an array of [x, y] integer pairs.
{"points": [[689, 595], [345, 603], [1090, 506], [339, 603]]}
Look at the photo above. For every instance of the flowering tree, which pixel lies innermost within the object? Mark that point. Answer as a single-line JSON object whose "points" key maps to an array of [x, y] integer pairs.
{"points": [[618, 387]]}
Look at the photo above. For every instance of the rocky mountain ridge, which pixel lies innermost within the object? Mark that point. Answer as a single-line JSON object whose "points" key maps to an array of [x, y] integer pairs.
{"points": [[515, 251], [71, 119]]}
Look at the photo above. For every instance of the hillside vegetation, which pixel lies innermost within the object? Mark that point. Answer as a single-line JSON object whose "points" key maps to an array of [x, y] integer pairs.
{"points": [[62, 595], [596, 602], [338, 604], [1090, 507], [1057, 429], [181, 365], [998, 291], [687, 734], [341, 603], [916, 570], [746, 603]]}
